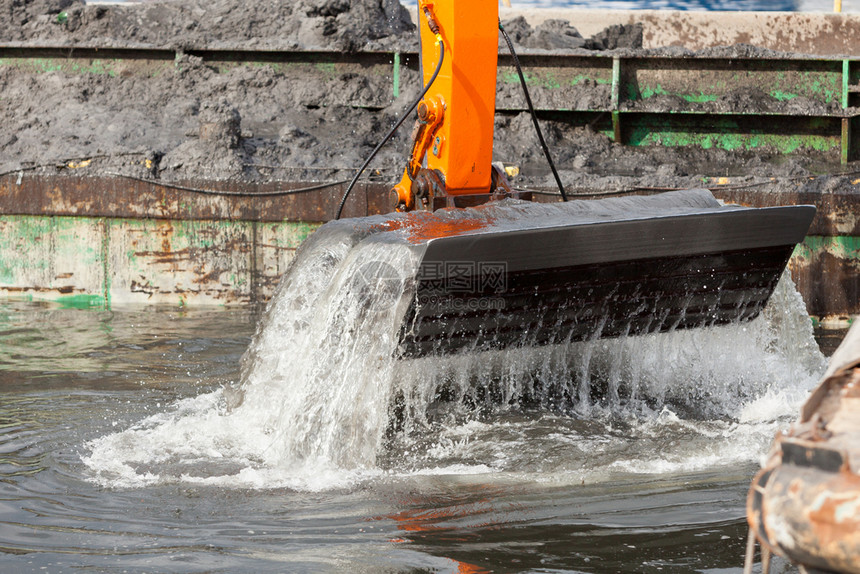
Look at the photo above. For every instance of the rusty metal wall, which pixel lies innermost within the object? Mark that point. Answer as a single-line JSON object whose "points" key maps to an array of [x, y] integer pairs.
{"points": [[101, 261], [23, 193], [110, 240], [107, 241], [826, 266]]}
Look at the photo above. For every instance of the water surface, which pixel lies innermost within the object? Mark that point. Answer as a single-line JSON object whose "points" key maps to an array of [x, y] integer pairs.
{"points": [[513, 490]]}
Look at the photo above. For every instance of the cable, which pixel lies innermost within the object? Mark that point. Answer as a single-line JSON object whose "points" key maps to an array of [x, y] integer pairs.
{"points": [[63, 163], [394, 129], [273, 167], [532, 112], [601, 193], [228, 193], [652, 189]]}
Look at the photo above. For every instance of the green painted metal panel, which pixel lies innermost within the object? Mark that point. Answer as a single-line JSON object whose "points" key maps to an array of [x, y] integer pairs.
{"points": [[841, 246], [50, 257], [734, 81], [82, 301], [732, 132], [86, 262]]}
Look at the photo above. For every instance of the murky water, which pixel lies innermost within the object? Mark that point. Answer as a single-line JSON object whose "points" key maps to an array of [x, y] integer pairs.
{"points": [[124, 446]]}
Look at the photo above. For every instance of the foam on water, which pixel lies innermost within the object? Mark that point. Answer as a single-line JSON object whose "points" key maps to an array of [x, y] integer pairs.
{"points": [[322, 403]]}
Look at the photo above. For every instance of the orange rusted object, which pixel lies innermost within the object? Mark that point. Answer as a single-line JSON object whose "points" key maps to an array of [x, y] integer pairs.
{"points": [[454, 135], [805, 502], [422, 226]]}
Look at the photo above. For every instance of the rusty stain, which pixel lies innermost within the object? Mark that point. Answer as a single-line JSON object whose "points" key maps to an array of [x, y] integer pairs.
{"points": [[141, 287], [40, 289], [837, 215], [832, 511], [829, 284], [276, 247], [169, 257], [422, 226], [211, 277]]}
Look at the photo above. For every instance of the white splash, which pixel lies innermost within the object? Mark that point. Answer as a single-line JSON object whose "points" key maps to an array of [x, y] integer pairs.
{"points": [[321, 392]]}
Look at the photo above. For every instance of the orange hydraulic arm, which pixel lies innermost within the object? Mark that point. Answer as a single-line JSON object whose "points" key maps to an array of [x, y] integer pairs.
{"points": [[452, 150]]}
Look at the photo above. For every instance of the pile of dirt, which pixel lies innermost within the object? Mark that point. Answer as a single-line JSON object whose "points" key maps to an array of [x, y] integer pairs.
{"points": [[559, 35], [257, 123], [341, 25], [254, 123], [220, 24]]}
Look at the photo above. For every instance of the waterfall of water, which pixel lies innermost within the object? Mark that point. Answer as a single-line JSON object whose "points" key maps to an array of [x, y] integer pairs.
{"points": [[321, 390]]}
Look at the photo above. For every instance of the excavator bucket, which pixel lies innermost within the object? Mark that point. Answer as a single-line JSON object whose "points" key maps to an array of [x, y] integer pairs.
{"points": [[511, 274]]}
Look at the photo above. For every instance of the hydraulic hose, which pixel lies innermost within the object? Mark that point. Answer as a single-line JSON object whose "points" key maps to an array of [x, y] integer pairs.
{"points": [[394, 129], [532, 112]]}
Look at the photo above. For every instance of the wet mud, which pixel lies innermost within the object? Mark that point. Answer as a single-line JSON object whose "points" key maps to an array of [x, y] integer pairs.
{"points": [[264, 24], [261, 123]]}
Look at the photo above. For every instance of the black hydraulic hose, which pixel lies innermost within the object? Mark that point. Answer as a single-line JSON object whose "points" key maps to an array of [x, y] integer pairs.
{"points": [[532, 112], [394, 129]]}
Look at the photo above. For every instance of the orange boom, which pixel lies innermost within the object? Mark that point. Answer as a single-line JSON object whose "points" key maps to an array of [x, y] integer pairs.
{"points": [[454, 131]]}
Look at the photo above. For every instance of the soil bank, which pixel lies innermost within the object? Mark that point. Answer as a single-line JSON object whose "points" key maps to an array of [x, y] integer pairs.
{"points": [[258, 124]]}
